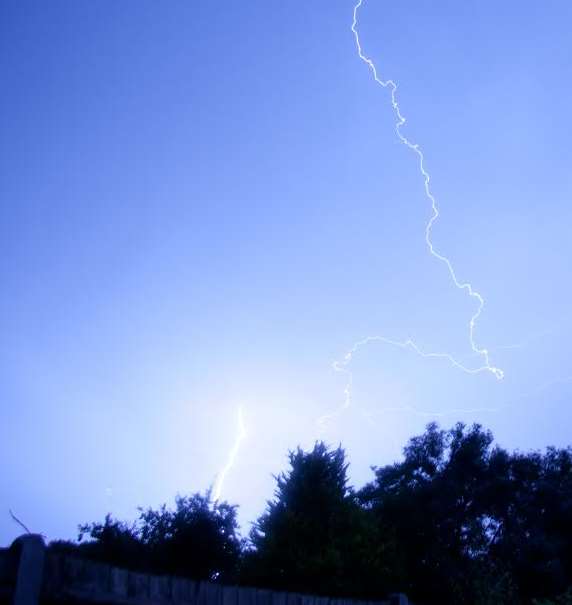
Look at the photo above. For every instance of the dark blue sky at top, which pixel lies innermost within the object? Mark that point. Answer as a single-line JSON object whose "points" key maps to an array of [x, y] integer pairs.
{"points": [[203, 205]]}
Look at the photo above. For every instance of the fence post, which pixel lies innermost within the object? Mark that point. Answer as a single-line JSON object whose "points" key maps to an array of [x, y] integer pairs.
{"points": [[30, 569]]}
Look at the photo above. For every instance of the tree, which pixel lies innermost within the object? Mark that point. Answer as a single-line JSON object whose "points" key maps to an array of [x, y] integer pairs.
{"points": [[474, 524], [433, 502], [534, 517], [112, 541], [197, 539], [313, 536]]}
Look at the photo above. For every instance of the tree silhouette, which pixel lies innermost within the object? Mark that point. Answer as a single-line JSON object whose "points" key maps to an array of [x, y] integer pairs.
{"points": [[313, 535], [473, 523], [457, 520], [197, 539]]}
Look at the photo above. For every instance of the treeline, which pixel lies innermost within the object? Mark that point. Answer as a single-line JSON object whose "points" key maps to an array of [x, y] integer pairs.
{"points": [[457, 521]]}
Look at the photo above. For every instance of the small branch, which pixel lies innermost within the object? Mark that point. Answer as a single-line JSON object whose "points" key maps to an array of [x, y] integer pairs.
{"points": [[18, 521]]}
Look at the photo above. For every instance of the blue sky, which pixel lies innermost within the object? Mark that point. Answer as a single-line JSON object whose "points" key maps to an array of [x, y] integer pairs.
{"points": [[203, 206]]}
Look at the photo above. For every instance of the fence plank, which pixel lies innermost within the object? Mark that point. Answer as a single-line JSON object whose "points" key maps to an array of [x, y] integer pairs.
{"points": [[137, 585], [118, 582], [229, 595]]}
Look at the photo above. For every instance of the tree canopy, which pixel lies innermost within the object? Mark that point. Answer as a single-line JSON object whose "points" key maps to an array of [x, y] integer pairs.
{"points": [[313, 536], [197, 539], [457, 520]]}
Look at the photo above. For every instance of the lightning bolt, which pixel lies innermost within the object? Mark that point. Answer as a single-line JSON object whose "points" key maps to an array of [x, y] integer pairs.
{"points": [[240, 436], [482, 353]]}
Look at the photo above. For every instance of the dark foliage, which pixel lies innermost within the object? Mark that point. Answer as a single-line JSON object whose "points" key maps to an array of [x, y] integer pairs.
{"points": [[198, 539], [474, 524], [314, 537], [457, 521]]}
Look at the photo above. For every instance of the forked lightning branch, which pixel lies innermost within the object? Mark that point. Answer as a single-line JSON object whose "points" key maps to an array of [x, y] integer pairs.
{"points": [[342, 366]]}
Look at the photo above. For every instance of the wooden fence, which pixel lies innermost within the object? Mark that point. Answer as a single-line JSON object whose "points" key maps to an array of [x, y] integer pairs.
{"points": [[31, 575]]}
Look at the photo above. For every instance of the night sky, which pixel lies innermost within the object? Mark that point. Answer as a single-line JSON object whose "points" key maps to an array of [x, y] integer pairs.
{"points": [[204, 205]]}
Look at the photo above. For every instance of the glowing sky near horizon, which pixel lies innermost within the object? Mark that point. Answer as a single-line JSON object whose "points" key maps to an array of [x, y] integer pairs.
{"points": [[203, 206]]}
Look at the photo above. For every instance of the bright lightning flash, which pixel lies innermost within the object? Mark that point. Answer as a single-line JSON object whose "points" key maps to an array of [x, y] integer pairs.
{"points": [[483, 353], [240, 436]]}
